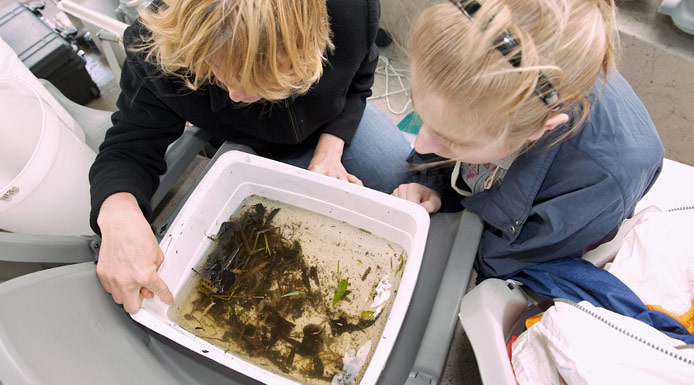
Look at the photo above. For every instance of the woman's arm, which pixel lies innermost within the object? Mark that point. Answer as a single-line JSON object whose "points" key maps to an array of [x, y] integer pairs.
{"points": [[338, 132], [123, 178], [355, 33]]}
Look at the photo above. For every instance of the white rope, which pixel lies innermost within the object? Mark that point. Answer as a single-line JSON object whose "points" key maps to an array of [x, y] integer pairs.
{"points": [[389, 72]]}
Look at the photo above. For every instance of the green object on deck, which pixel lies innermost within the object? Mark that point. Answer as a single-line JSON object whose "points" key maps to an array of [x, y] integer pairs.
{"points": [[410, 123]]}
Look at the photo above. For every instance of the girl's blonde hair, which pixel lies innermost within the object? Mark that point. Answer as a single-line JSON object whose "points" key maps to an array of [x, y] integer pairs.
{"points": [[245, 38], [570, 41]]}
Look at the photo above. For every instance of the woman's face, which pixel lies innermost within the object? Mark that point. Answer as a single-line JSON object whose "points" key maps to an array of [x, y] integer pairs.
{"points": [[448, 132], [236, 92]]}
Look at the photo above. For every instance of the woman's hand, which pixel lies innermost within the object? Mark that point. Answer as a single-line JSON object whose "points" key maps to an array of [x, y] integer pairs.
{"points": [[422, 195], [130, 255], [327, 159]]}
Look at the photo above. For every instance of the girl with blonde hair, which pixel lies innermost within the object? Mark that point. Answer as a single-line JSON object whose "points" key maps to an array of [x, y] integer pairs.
{"points": [[551, 146], [287, 78]]}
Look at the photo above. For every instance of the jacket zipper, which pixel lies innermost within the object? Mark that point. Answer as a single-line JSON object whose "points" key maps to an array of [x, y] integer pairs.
{"points": [[630, 334], [683, 208], [291, 120]]}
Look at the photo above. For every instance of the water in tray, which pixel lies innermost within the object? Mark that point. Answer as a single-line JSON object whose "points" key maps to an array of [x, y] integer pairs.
{"points": [[295, 292]]}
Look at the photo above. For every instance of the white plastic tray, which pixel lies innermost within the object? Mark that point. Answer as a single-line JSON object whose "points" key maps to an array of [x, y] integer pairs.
{"points": [[235, 176]]}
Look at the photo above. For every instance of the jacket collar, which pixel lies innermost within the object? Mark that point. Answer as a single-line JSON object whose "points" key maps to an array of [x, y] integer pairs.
{"points": [[507, 206]]}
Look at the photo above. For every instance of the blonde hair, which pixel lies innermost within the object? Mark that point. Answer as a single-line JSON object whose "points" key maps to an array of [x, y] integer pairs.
{"points": [[570, 41], [245, 38]]}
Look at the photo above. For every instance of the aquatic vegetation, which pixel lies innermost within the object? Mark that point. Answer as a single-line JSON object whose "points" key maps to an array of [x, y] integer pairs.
{"points": [[258, 295]]}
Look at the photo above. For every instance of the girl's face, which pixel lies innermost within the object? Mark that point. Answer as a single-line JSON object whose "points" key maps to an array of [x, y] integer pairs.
{"points": [[452, 134]]}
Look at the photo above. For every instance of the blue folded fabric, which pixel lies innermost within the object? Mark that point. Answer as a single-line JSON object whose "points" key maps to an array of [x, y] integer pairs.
{"points": [[578, 280]]}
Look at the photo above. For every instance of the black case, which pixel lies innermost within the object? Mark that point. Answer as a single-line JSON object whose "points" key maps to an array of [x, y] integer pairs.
{"points": [[47, 54]]}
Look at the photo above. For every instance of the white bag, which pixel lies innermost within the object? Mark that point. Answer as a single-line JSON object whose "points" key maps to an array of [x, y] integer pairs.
{"points": [[580, 344], [653, 254]]}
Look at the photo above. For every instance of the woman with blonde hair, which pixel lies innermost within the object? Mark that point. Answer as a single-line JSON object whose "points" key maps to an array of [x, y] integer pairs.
{"points": [[551, 146], [287, 78]]}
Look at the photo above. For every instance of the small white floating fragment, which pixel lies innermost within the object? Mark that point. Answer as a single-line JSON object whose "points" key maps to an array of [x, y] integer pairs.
{"points": [[352, 363], [382, 295]]}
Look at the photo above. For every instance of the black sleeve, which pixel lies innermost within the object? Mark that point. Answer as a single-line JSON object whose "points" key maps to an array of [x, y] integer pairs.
{"points": [[131, 158], [345, 125]]}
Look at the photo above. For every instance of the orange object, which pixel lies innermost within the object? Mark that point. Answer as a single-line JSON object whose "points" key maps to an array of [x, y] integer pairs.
{"points": [[686, 319], [530, 321]]}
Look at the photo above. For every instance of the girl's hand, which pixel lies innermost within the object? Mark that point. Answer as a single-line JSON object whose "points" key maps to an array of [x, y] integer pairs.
{"points": [[130, 255], [422, 195], [327, 159]]}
